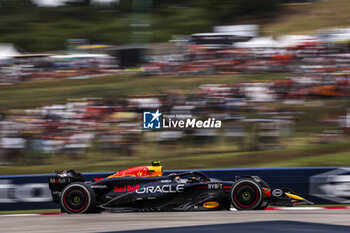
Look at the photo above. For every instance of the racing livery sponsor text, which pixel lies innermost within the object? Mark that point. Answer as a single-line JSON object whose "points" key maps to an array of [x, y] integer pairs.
{"points": [[126, 188], [210, 204], [162, 189]]}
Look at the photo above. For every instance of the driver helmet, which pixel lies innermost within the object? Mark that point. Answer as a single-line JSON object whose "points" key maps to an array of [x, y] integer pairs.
{"points": [[155, 163]]}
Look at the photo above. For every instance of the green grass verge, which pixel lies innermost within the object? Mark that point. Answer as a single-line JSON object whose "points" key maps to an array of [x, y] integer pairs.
{"points": [[296, 156], [308, 18], [30, 211], [331, 159]]}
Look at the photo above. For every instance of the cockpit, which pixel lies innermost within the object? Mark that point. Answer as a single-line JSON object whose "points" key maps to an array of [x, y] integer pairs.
{"points": [[190, 177]]}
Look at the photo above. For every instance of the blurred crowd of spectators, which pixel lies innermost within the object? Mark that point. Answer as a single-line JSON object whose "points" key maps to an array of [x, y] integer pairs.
{"points": [[317, 71], [78, 66], [75, 127], [301, 58]]}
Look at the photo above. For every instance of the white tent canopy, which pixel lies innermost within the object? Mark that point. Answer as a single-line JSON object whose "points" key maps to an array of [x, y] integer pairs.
{"points": [[296, 40], [8, 51], [282, 42], [78, 55], [259, 42], [344, 37]]}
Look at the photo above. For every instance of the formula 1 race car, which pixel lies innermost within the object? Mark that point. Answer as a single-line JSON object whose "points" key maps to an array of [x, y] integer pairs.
{"points": [[146, 189]]}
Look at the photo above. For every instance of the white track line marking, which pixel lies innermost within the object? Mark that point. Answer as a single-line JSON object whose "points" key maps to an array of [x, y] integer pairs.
{"points": [[231, 209], [299, 208], [19, 215]]}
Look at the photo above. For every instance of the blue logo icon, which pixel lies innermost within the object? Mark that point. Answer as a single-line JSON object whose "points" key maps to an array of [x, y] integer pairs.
{"points": [[151, 120]]}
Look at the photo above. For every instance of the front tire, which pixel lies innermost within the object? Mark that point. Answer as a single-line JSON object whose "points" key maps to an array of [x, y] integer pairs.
{"points": [[77, 198], [246, 194]]}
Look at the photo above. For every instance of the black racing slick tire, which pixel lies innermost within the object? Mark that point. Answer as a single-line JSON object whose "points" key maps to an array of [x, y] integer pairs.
{"points": [[246, 194], [77, 198]]}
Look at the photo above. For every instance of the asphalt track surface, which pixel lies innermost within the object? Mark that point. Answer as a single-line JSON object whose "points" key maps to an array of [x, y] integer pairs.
{"points": [[269, 221]]}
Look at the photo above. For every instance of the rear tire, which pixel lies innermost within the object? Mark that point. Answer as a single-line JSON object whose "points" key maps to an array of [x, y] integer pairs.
{"points": [[246, 194], [78, 198]]}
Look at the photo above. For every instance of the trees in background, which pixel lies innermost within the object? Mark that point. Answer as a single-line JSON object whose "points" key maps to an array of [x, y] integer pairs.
{"points": [[45, 28]]}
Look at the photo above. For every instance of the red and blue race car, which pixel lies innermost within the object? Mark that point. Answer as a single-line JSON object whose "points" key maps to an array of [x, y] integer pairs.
{"points": [[145, 188]]}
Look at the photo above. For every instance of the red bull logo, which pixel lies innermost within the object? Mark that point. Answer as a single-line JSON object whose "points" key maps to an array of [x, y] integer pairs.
{"points": [[126, 188]]}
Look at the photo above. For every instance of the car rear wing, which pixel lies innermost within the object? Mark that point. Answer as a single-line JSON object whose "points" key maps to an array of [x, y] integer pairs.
{"points": [[61, 180]]}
